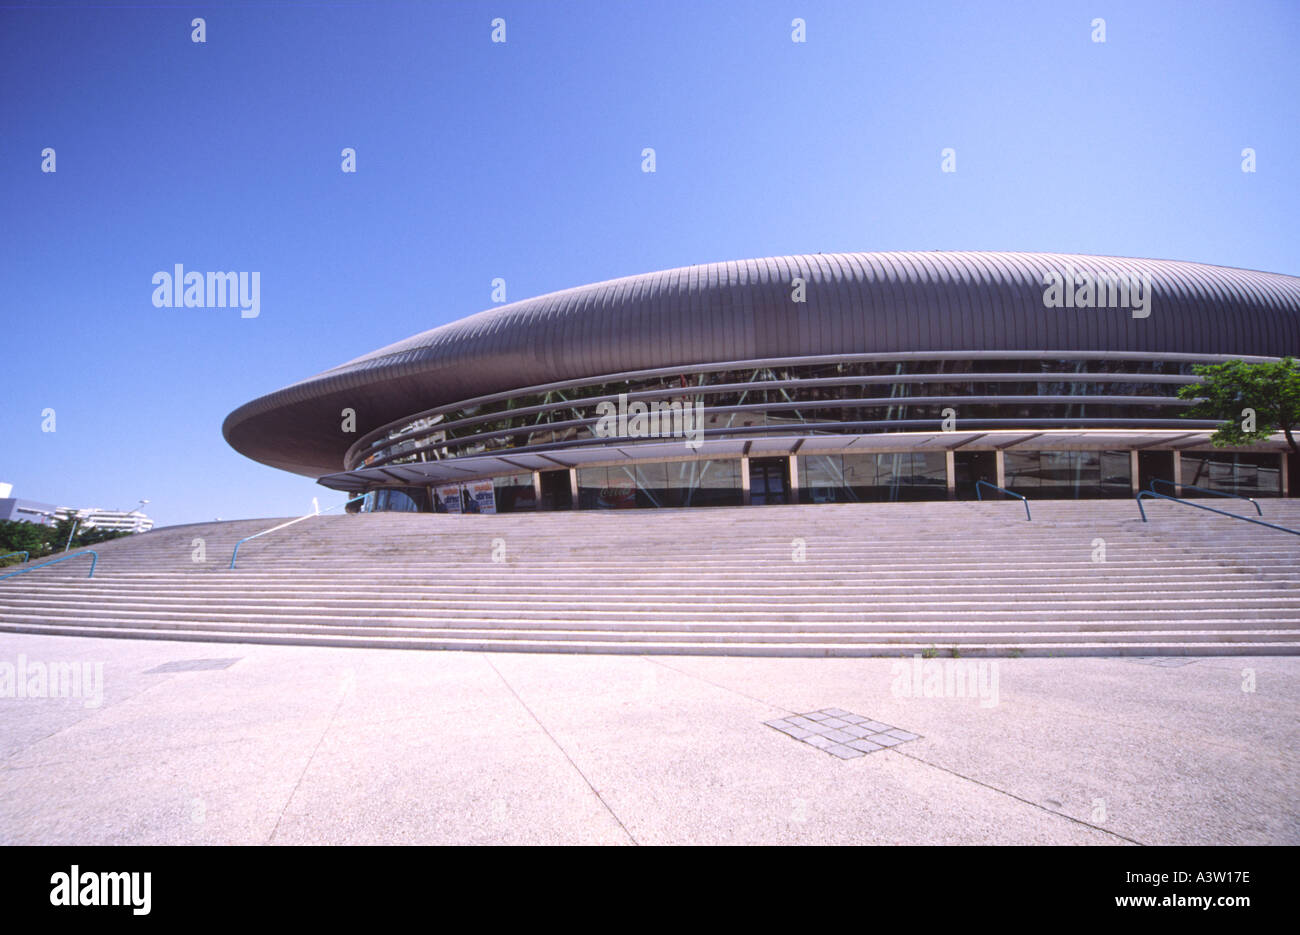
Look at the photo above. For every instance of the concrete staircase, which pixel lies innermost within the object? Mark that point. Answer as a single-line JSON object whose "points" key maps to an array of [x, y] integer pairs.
{"points": [[874, 579]]}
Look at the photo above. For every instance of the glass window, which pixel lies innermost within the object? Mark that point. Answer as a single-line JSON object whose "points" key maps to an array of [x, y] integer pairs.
{"points": [[400, 500], [1239, 472], [661, 484], [1068, 474], [855, 478], [514, 493]]}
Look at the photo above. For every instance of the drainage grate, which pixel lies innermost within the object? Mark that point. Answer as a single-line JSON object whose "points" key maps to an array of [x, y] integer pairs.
{"points": [[1162, 661], [841, 733], [193, 665]]}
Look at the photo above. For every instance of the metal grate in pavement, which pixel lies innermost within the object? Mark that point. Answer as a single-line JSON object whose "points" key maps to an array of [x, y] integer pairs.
{"points": [[842, 733], [193, 665]]}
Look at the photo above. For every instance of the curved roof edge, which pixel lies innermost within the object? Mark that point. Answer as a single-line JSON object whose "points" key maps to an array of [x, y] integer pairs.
{"points": [[741, 310]]}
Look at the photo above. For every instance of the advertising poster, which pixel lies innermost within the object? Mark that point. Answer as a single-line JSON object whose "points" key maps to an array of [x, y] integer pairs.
{"points": [[448, 498], [619, 495], [482, 496]]}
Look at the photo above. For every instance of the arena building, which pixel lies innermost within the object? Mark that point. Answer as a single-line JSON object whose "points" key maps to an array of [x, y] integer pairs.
{"points": [[803, 379]]}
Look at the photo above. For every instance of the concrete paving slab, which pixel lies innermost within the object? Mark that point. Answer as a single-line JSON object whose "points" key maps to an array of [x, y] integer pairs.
{"points": [[321, 745]]}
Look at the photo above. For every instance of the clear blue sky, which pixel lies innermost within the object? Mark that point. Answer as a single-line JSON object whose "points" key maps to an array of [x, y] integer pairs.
{"points": [[477, 160]]}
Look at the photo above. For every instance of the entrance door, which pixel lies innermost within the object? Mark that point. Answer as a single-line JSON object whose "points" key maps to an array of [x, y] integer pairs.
{"points": [[557, 494], [1155, 464], [768, 480], [972, 466]]}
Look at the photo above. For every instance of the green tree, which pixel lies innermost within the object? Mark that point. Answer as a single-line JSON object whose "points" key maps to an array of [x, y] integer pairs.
{"points": [[84, 535], [40, 540], [62, 529], [1250, 401], [25, 537], [94, 536]]}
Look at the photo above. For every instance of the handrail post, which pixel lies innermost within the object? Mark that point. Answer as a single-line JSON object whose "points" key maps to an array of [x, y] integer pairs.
{"points": [[317, 512], [1210, 509], [23, 552], [94, 560], [1217, 493], [980, 484]]}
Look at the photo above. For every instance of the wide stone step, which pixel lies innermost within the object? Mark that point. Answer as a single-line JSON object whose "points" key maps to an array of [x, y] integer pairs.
{"points": [[931, 616], [677, 631], [824, 593], [1247, 599], [797, 571], [921, 647], [892, 579]]}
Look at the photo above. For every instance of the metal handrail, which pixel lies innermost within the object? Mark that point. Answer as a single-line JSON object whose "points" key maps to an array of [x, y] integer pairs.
{"points": [[1245, 519], [23, 552], [1219, 493], [317, 512], [980, 495], [94, 559]]}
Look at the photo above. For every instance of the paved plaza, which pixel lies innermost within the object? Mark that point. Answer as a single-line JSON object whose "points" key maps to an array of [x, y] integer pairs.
{"points": [[206, 743]]}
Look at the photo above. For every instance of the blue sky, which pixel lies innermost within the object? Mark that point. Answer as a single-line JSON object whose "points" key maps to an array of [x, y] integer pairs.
{"points": [[523, 160]]}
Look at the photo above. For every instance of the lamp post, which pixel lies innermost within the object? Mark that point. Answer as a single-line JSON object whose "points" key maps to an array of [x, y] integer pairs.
{"points": [[139, 509]]}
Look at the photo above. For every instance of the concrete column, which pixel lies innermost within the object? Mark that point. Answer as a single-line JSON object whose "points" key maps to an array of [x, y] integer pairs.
{"points": [[1286, 481], [744, 479], [950, 467], [573, 486], [794, 478], [1178, 474], [537, 488], [1000, 465], [1133, 471]]}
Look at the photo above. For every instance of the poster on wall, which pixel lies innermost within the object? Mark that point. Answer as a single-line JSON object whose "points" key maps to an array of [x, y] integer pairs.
{"points": [[448, 498], [619, 495], [482, 496]]}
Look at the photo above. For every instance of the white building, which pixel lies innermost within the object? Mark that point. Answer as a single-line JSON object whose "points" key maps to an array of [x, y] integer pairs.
{"points": [[95, 518]]}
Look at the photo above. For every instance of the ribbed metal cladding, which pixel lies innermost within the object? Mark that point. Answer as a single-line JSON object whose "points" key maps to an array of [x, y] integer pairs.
{"points": [[856, 303]]}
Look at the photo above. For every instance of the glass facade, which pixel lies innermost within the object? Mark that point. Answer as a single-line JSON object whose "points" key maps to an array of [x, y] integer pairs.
{"points": [[398, 500], [1078, 475], [1251, 475], [856, 478], [853, 478], [662, 484], [825, 398], [515, 493], [1018, 391]]}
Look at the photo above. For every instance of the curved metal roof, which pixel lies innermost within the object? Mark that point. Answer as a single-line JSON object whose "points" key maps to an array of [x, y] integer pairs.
{"points": [[742, 310]]}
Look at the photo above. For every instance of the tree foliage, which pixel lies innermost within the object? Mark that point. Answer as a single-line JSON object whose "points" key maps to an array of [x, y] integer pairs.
{"points": [[1233, 390], [40, 540], [25, 537]]}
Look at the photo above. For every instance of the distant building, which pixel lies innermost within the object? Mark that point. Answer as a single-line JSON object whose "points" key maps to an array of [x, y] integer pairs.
{"points": [[15, 510], [117, 520]]}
